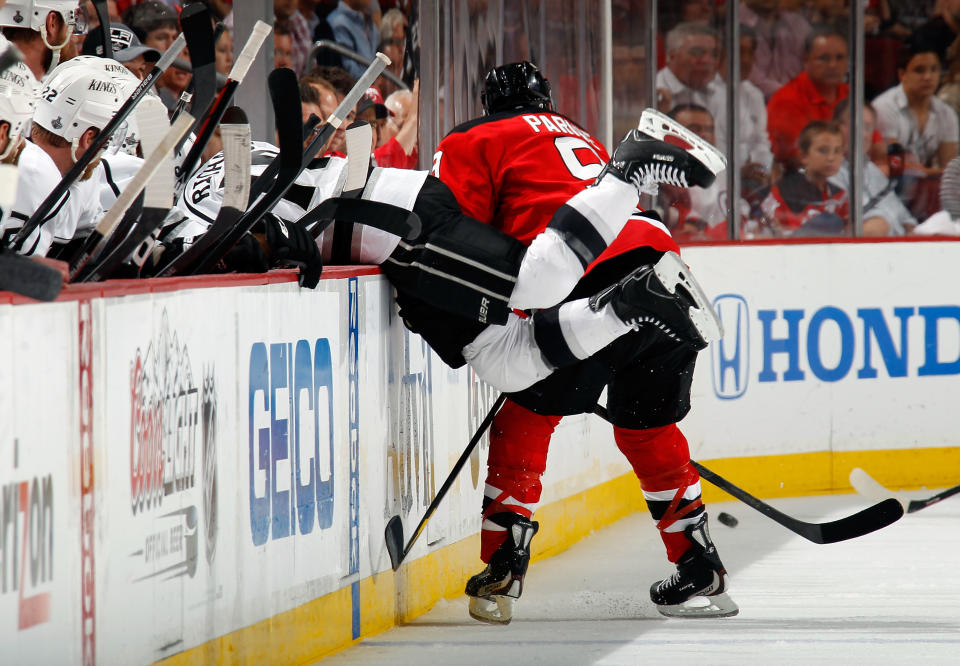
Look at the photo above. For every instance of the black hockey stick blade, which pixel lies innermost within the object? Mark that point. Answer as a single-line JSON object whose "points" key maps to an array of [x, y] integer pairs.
{"points": [[386, 217], [285, 96], [208, 124], [103, 15], [863, 522], [236, 192], [57, 193], [28, 277], [869, 487], [393, 533], [9, 57], [197, 26]]}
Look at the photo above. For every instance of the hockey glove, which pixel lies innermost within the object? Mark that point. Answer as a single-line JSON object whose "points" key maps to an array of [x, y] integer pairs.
{"points": [[292, 245], [247, 257]]}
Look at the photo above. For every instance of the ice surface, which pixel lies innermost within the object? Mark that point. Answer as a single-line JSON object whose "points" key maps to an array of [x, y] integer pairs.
{"points": [[892, 597]]}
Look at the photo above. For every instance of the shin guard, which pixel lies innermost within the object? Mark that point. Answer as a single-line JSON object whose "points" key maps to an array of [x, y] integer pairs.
{"points": [[671, 485], [519, 440]]}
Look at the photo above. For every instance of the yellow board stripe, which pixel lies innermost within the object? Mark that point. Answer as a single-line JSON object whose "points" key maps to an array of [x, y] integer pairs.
{"points": [[323, 626]]}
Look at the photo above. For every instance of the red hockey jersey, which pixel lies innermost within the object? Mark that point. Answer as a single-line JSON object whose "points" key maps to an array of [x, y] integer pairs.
{"points": [[514, 169]]}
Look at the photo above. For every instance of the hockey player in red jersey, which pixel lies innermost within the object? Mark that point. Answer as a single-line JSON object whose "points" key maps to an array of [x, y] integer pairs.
{"points": [[519, 168]]}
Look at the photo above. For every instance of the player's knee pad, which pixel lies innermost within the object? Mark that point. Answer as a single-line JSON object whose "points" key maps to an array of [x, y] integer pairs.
{"points": [[461, 266], [653, 452]]}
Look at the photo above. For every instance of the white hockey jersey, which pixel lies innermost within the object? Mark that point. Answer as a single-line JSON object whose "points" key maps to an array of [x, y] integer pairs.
{"points": [[118, 170], [77, 212]]}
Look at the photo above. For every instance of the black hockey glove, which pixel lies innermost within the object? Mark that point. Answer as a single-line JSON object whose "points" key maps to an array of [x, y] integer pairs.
{"points": [[292, 245], [247, 257]]}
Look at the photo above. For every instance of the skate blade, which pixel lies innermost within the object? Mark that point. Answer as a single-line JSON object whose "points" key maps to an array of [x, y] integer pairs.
{"points": [[495, 609], [671, 271], [718, 605], [658, 125]]}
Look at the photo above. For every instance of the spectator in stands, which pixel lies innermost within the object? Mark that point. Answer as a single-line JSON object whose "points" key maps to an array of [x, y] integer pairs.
{"points": [[780, 37], [911, 115], [399, 140], [157, 26], [691, 75], [812, 95], [696, 213], [127, 49], [939, 33], [949, 91], [394, 50], [353, 29], [224, 53], [753, 154], [805, 202], [282, 45], [300, 35], [393, 25], [330, 97], [338, 77], [883, 212]]}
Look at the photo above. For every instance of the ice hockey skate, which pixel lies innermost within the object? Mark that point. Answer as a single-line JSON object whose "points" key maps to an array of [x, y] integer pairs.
{"points": [[666, 296], [663, 151], [494, 591], [698, 588]]}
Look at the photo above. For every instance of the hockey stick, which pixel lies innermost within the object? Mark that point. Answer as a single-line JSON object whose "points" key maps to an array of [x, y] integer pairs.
{"points": [[98, 143], [197, 25], [285, 96], [236, 187], [103, 15], [9, 57], [219, 106], [869, 487], [28, 277], [863, 522], [156, 199], [285, 180], [393, 532]]}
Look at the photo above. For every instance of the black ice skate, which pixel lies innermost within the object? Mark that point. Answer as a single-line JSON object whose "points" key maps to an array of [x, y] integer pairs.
{"points": [[698, 589], [665, 296], [494, 590], [661, 150]]}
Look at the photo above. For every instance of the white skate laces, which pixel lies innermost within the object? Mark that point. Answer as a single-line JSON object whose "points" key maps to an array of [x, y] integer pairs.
{"points": [[648, 177]]}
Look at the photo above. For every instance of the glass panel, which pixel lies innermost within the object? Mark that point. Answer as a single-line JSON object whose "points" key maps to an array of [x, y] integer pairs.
{"points": [[562, 37], [631, 80]]}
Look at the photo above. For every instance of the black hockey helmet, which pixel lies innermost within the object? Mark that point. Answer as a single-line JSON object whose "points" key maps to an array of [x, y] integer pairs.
{"points": [[515, 86]]}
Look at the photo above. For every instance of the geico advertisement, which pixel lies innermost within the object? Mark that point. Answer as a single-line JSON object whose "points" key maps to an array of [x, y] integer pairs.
{"points": [[829, 347], [40, 596]]}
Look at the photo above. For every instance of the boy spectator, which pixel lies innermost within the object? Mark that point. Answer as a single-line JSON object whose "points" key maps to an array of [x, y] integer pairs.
{"points": [[157, 26], [805, 203], [812, 95]]}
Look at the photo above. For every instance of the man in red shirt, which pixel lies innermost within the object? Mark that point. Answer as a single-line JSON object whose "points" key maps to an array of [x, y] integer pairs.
{"points": [[525, 170], [811, 95]]}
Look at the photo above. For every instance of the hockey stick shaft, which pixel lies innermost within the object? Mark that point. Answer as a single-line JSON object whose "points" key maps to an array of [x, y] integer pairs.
{"points": [[282, 185], [863, 522], [103, 15], [112, 217], [215, 114], [391, 532], [98, 143]]}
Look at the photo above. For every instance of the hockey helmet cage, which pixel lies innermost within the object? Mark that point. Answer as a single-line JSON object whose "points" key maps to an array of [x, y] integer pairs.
{"points": [[515, 86], [76, 98], [18, 99], [32, 14]]}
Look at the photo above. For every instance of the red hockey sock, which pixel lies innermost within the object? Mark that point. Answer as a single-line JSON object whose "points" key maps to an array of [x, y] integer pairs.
{"points": [[519, 440], [671, 485]]}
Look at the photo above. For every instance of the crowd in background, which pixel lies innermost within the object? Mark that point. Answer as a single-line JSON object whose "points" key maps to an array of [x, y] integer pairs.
{"points": [[363, 27], [793, 149]]}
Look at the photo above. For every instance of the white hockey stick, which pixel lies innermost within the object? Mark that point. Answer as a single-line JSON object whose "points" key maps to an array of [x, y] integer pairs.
{"points": [[870, 488]]}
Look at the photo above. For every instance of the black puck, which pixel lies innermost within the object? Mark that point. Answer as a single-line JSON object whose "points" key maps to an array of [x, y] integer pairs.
{"points": [[727, 519]]}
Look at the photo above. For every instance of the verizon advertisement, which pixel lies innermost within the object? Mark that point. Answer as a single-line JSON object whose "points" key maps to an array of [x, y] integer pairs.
{"points": [[40, 595]]}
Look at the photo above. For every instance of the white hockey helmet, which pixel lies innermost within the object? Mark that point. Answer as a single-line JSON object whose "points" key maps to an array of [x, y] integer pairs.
{"points": [[33, 14], [18, 99], [75, 98]]}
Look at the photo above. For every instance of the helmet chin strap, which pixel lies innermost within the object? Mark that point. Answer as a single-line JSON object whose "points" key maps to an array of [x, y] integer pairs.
{"points": [[55, 48]]}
